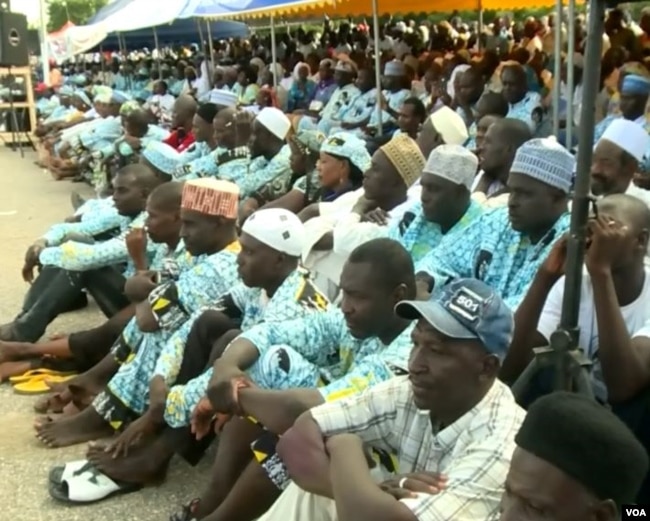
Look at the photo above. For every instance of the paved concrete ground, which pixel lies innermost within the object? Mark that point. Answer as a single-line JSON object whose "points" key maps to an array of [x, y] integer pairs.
{"points": [[30, 200]]}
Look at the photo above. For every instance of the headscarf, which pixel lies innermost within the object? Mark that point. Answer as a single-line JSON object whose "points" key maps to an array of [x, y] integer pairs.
{"points": [[308, 141], [450, 84], [297, 68]]}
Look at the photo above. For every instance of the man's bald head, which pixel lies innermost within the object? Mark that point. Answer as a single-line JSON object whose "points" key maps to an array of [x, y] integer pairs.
{"points": [[185, 108], [514, 131], [167, 196], [143, 177], [186, 103], [626, 209], [226, 115]]}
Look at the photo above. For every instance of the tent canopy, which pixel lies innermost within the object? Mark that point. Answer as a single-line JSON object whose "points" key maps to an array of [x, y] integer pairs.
{"points": [[179, 31], [358, 8]]}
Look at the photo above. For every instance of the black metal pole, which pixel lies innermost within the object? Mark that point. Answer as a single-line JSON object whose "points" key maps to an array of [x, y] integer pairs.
{"points": [[568, 333], [581, 200]]}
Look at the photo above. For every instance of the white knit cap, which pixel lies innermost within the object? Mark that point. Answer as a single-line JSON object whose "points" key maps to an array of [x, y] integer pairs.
{"points": [[629, 136], [223, 98], [450, 125], [277, 228], [394, 68], [547, 161], [454, 163], [275, 121]]}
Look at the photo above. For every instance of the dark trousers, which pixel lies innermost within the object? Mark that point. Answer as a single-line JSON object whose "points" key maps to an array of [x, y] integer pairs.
{"points": [[635, 413], [201, 349], [89, 347], [54, 292]]}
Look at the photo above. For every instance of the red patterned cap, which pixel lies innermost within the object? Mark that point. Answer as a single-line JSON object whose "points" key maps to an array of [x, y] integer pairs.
{"points": [[211, 196]]}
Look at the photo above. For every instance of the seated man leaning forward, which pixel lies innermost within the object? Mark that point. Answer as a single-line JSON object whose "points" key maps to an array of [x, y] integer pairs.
{"points": [[451, 423]]}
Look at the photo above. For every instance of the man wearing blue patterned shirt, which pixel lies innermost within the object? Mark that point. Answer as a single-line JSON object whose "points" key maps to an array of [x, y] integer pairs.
{"points": [[70, 266], [295, 365], [451, 424], [273, 289], [208, 214], [88, 347], [267, 175], [506, 246], [524, 104]]}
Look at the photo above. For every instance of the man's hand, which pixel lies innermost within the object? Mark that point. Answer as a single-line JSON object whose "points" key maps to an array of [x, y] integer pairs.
{"points": [[202, 417], [410, 485], [642, 181], [378, 216], [131, 436], [302, 449], [424, 284], [243, 121], [31, 260], [382, 102], [608, 239], [138, 287], [136, 244], [364, 205], [133, 142], [555, 264], [223, 390]]}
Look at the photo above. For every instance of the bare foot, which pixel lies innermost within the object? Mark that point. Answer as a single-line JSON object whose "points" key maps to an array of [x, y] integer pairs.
{"points": [[145, 464], [85, 426], [80, 391]]}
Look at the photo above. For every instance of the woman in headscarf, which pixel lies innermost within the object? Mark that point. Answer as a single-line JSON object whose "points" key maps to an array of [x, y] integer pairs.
{"points": [[302, 90], [247, 80]]}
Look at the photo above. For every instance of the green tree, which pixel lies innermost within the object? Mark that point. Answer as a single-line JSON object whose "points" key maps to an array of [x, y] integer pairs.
{"points": [[76, 11]]}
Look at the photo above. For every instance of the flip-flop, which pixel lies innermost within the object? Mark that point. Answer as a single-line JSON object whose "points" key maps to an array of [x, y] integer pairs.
{"points": [[38, 385], [42, 373], [87, 485]]}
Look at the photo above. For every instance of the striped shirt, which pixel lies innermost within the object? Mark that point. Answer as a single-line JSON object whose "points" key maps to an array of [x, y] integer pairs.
{"points": [[474, 452]]}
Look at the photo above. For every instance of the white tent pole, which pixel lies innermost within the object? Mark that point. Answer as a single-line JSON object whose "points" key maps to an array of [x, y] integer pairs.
{"points": [[274, 54], [210, 47], [200, 26], [375, 23], [45, 49], [155, 40], [570, 69], [557, 69]]}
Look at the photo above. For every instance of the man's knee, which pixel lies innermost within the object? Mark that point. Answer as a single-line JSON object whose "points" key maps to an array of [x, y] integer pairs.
{"points": [[222, 343]]}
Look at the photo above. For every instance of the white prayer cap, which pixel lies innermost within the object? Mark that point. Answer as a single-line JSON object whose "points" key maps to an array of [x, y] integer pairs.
{"points": [[345, 66], [394, 68], [278, 228], [223, 98], [454, 163], [629, 136], [276, 69], [275, 121], [450, 126]]}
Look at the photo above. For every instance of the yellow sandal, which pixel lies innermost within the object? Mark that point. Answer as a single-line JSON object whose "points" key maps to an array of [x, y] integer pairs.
{"points": [[39, 384]]}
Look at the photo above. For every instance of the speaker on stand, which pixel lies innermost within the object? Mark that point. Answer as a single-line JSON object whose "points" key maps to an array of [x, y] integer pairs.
{"points": [[14, 53]]}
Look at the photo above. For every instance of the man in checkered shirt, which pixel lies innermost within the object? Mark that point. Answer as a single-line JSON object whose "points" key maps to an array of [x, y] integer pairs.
{"points": [[451, 423]]}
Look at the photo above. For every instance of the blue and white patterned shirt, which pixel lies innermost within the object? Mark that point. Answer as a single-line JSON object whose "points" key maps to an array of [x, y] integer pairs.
{"points": [[296, 297], [493, 252], [77, 256], [419, 236]]}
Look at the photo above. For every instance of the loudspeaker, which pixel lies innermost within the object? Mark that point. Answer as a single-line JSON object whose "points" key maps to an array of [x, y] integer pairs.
{"points": [[13, 40]]}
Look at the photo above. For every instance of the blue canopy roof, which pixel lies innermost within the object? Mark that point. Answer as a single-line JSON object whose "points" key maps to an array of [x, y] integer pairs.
{"points": [[180, 31]]}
